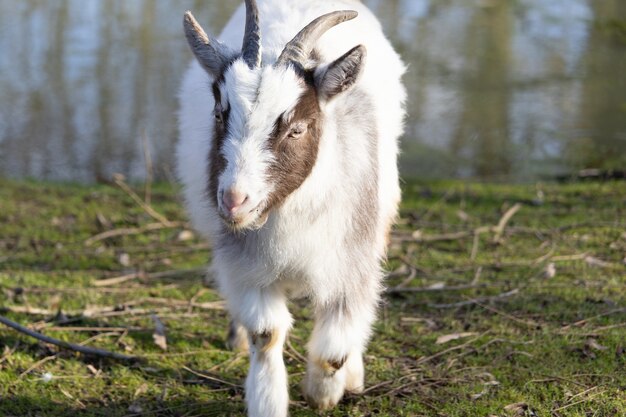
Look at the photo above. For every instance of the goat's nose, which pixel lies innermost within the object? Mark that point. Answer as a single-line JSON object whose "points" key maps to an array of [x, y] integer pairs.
{"points": [[233, 199]]}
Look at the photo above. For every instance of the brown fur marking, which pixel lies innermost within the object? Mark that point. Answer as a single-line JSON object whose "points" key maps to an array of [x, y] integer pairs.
{"points": [[295, 157], [330, 367], [217, 161], [265, 341]]}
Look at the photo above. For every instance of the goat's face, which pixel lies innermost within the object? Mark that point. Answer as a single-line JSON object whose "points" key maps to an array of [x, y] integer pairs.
{"points": [[267, 119]]}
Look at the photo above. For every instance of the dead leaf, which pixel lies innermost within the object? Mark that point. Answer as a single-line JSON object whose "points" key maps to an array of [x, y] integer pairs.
{"points": [[102, 222], [593, 344], [592, 261], [185, 235], [67, 394], [143, 388], [517, 409], [124, 259], [463, 216], [159, 332], [454, 336], [93, 370], [549, 271]]}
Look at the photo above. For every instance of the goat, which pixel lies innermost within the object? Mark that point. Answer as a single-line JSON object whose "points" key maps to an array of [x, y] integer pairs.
{"points": [[288, 157]]}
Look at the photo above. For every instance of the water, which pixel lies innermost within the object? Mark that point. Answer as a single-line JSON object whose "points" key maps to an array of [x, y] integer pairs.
{"points": [[514, 89]]}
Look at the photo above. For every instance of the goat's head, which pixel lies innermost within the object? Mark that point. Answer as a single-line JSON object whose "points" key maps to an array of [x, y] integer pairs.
{"points": [[268, 119]]}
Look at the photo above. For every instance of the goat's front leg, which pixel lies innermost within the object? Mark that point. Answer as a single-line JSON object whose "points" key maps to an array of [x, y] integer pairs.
{"points": [[263, 313], [335, 362]]}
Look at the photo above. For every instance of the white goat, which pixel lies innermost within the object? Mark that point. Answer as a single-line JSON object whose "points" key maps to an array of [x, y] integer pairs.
{"points": [[288, 156]]}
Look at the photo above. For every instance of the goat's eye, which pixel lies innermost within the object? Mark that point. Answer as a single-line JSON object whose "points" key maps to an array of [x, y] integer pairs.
{"points": [[297, 130], [218, 113]]}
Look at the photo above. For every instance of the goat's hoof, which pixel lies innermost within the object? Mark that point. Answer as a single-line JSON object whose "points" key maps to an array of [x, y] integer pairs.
{"points": [[355, 378], [237, 339], [323, 405], [355, 389], [323, 391]]}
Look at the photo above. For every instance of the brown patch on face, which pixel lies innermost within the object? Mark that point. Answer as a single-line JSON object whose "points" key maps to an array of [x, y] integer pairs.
{"points": [[217, 161], [295, 156]]}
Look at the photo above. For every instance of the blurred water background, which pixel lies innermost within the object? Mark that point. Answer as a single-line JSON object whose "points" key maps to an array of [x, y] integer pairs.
{"points": [[504, 89]]}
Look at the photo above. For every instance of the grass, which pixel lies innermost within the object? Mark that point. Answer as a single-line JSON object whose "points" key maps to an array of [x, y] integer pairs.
{"points": [[553, 345]]}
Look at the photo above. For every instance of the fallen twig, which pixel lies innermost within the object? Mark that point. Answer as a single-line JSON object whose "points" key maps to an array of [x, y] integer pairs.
{"points": [[133, 231], [149, 170], [37, 365], [530, 324], [477, 300], [452, 349], [396, 290], [499, 229], [119, 181], [475, 244], [71, 346], [145, 276], [211, 378], [584, 321], [116, 280]]}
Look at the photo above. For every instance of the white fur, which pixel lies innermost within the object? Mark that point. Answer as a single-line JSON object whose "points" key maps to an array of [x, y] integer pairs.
{"points": [[301, 250]]}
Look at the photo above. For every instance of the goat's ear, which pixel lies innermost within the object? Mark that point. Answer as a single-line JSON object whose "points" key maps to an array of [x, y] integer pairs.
{"points": [[213, 55], [341, 74]]}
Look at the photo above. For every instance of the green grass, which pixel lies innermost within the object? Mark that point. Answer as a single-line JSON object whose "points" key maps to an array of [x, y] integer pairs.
{"points": [[557, 344]]}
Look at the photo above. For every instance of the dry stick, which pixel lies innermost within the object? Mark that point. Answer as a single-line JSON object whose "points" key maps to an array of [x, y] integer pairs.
{"points": [[149, 171], [135, 275], [565, 258], [504, 220], [147, 208], [477, 300], [498, 230], [78, 348], [397, 290], [595, 331], [91, 329], [417, 237], [475, 244], [578, 402], [477, 274], [211, 378], [452, 349], [584, 321], [295, 352], [193, 299], [132, 231], [116, 280], [28, 310], [433, 209], [37, 365], [9, 353], [531, 324], [405, 281]]}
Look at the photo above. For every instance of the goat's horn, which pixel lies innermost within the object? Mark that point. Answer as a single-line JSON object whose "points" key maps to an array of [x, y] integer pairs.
{"points": [[212, 54], [251, 47], [299, 48]]}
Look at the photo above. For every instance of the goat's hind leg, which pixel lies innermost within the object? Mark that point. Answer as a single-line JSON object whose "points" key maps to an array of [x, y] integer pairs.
{"points": [[237, 339], [335, 360]]}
